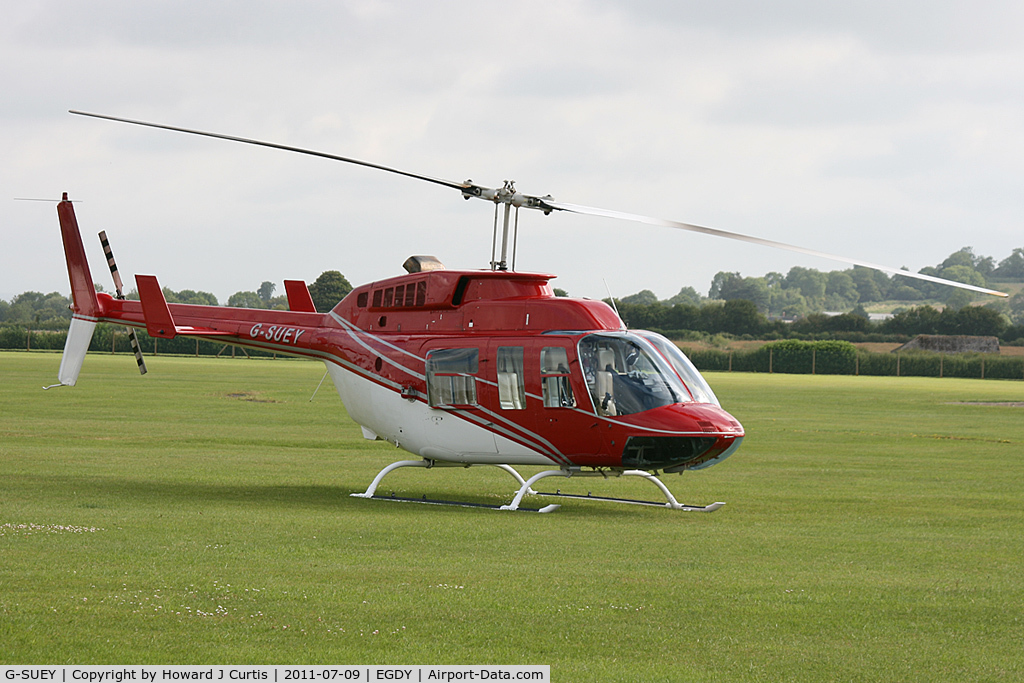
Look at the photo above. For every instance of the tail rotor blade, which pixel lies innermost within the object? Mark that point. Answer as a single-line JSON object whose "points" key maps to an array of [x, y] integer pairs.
{"points": [[134, 338], [118, 287]]}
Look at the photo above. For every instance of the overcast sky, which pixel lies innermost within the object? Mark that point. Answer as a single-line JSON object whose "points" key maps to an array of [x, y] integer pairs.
{"points": [[891, 132]]}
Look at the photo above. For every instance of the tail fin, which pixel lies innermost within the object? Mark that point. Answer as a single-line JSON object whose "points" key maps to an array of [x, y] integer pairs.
{"points": [[298, 296], [86, 307], [83, 292]]}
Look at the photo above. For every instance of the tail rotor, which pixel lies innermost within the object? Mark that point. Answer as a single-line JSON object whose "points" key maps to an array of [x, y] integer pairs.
{"points": [[118, 287]]}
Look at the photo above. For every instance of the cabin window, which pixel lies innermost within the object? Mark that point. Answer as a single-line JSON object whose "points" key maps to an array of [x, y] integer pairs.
{"points": [[362, 299], [411, 295], [511, 388], [554, 373], [450, 377], [626, 375], [694, 381]]}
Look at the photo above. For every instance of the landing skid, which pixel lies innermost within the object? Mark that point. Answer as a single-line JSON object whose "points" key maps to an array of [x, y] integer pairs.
{"points": [[525, 487], [455, 503], [650, 503]]}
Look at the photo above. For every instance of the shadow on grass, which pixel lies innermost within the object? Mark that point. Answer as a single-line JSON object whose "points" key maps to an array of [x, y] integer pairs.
{"points": [[112, 492]]}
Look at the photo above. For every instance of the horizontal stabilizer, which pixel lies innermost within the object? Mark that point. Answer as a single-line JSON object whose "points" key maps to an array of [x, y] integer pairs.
{"points": [[159, 321]]}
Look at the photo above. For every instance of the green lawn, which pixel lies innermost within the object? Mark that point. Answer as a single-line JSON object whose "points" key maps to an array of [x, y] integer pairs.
{"points": [[874, 531]]}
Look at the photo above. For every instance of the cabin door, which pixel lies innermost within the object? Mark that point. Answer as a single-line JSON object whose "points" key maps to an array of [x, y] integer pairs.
{"points": [[458, 424]]}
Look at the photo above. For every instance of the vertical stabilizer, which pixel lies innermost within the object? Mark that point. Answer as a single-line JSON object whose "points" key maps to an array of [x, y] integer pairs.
{"points": [[86, 307], [83, 292], [75, 348]]}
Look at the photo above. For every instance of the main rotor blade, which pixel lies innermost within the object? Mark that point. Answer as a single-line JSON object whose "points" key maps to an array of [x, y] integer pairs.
{"points": [[591, 211], [508, 195], [273, 145]]}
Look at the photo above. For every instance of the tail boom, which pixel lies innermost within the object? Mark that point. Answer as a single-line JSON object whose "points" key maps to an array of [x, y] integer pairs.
{"points": [[282, 331]]}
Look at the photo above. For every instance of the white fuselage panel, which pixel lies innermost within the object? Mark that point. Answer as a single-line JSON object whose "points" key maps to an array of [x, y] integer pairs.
{"points": [[434, 433]]}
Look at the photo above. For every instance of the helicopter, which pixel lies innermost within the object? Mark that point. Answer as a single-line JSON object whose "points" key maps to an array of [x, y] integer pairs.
{"points": [[465, 367]]}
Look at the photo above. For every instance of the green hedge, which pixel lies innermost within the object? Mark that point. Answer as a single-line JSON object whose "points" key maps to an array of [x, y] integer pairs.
{"points": [[791, 356], [114, 338], [787, 356], [842, 358], [17, 337]]}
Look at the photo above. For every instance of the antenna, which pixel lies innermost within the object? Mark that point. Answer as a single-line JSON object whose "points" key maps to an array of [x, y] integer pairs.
{"points": [[318, 386], [612, 299]]}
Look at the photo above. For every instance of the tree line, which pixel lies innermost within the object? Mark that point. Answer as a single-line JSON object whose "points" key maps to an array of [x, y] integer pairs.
{"points": [[741, 318], [737, 305], [52, 311], [777, 306], [803, 291]]}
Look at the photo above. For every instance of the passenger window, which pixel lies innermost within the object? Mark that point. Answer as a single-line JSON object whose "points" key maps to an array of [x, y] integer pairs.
{"points": [[450, 380], [554, 371], [389, 297], [377, 297], [511, 388]]}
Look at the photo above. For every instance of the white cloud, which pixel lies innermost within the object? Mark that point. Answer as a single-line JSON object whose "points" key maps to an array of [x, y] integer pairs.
{"points": [[849, 128]]}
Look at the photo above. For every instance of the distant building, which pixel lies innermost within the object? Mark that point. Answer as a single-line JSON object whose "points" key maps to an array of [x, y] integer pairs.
{"points": [[873, 317], [943, 343]]}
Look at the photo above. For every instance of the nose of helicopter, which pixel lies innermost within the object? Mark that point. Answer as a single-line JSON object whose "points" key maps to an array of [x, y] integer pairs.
{"points": [[702, 435]]}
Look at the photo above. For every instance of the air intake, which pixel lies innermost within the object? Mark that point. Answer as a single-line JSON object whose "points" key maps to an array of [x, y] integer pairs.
{"points": [[650, 452], [422, 264]]}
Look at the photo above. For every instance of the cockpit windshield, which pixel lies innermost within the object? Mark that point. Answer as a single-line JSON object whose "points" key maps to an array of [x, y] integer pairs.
{"points": [[626, 374], [695, 382]]}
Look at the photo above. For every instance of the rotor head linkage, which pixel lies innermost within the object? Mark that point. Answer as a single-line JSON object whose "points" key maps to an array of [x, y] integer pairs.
{"points": [[508, 195]]}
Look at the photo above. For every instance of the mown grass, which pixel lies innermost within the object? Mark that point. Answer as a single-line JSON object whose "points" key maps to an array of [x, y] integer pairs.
{"points": [[201, 514]]}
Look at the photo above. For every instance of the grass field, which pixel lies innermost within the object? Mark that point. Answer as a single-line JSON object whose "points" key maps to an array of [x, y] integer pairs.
{"points": [[874, 531]]}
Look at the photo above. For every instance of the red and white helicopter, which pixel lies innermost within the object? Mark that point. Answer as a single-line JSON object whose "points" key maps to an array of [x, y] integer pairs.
{"points": [[465, 367]]}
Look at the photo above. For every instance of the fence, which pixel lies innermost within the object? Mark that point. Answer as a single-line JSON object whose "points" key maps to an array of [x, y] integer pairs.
{"points": [[788, 356], [114, 339], [843, 358]]}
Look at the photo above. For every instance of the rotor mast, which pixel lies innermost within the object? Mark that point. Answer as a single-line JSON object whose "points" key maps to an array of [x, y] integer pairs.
{"points": [[508, 196]]}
